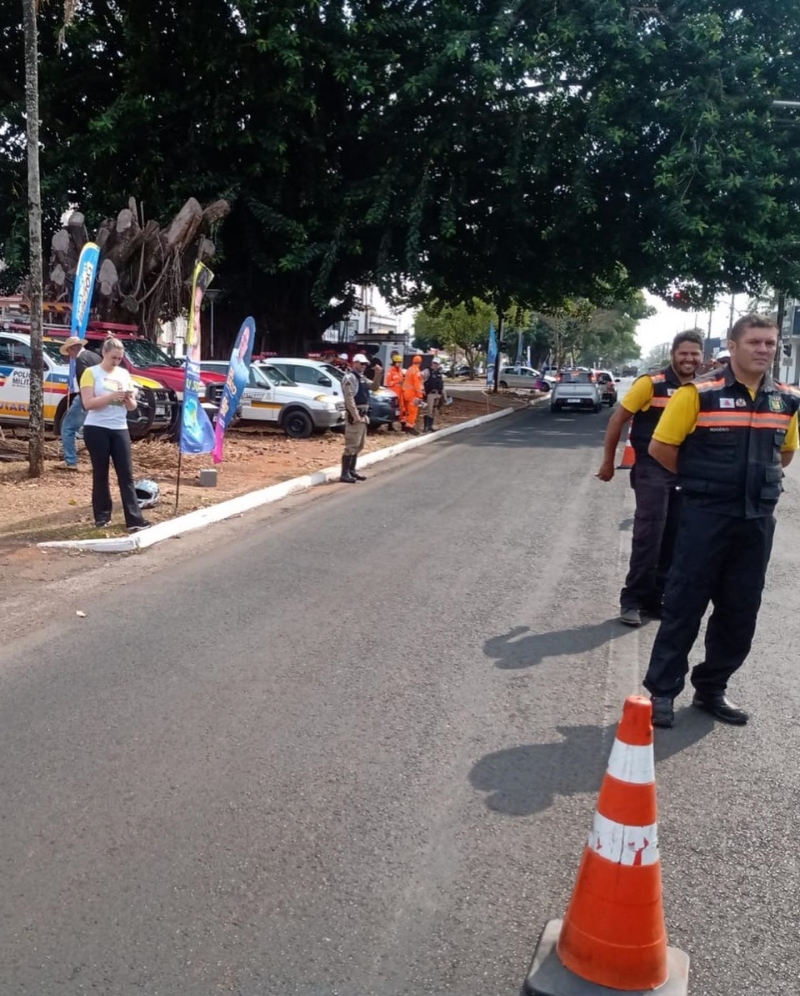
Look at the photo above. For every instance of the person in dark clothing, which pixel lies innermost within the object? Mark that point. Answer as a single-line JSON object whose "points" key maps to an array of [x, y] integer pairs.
{"points": [[433, 386], [726, 438], [657, 495]]}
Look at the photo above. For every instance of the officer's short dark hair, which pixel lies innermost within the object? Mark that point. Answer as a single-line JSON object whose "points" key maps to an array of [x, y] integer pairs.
{"points": [[751, 322], [691, 335]]}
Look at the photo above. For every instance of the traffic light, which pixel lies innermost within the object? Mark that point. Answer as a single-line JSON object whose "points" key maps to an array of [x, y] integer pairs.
{"points": [[680, 299], [787, 350]]}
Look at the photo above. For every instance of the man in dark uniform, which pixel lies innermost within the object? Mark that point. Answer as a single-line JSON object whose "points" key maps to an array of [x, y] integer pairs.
{"points": [[657, 496], [433, 386], [356, 388], [728, 437]]}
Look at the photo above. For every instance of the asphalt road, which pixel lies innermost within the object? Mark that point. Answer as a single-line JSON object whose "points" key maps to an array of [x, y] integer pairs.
{"points": [[352, 744]]}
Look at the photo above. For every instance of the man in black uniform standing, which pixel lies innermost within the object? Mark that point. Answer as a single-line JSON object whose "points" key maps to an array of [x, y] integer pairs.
{"points": [[433, 386], [727, 437], [657, 496]]}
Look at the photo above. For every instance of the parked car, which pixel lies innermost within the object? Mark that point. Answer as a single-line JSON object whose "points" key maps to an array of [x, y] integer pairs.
{"points": [[272, 397], [524, 377], [576, 389], [145, 359], [608, 386], [155, 411], [384, 406]]}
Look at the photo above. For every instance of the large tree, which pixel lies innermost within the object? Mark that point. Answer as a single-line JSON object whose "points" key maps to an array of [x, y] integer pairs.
{"points": [[525, 152]]}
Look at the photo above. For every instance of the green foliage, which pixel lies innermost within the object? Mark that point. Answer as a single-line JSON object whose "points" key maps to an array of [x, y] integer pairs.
{"points": [[529, 153], [463, 328]]}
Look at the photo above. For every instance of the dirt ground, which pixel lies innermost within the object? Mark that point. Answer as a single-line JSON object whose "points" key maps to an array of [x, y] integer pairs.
{"points": [[58, 505]]}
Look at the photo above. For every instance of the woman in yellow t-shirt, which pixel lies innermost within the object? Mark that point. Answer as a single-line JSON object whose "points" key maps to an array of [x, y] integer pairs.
{"points": [[108, 394]]}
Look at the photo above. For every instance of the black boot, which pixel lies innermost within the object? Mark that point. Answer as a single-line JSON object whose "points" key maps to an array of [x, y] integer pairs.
{"points": [[428, 427], [358, 477], [347, 474]]}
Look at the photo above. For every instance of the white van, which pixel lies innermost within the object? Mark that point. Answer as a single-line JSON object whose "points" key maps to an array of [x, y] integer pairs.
{"points": [[271, 397]]}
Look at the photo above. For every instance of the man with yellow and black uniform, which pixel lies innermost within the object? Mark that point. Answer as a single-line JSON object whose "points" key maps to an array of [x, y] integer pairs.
{"points": [[728, 437], [655, 521]]}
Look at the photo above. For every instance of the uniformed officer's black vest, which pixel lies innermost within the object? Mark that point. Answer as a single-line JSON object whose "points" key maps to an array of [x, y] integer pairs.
{"points": [[362, 390], [731, 463], [644, 423], [434, 383]]}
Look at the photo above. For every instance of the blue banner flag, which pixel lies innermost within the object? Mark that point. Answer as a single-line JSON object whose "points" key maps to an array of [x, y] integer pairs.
{"points": [[237, 380], [82, 298], [491, 355], [197, 432]]}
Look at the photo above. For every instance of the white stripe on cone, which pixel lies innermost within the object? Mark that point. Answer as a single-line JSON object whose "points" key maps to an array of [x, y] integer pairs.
{"points": [[632, 764], [624, 845]]}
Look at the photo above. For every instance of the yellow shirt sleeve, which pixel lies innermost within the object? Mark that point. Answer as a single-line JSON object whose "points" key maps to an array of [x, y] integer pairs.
{"points": [[87, 378], [639, 395], [792, 441], [679, 417]]}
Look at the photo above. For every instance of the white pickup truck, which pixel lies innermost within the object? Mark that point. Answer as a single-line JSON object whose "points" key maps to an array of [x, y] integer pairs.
{"points": [[576, 389], [272, 397]]}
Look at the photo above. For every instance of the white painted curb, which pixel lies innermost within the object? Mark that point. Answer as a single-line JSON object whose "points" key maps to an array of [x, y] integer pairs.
{"points": [[236, 506]]}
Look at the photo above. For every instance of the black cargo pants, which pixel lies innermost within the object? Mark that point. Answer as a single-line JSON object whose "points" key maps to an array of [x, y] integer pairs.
{"points": [[722, 559], [655, 524]]}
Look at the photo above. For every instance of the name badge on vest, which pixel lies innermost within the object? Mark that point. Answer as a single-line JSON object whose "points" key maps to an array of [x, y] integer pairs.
{"points": [[727, 403]]}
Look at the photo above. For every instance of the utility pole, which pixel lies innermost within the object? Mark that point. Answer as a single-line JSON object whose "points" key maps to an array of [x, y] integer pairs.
{"points": [[36, 402], [730, 319]]}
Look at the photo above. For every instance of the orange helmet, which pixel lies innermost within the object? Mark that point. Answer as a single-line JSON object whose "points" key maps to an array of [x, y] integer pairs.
{"points": [[417, 359]]}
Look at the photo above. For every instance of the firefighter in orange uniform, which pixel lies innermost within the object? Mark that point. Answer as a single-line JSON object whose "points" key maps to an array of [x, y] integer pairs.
{"points": [[414, 393], [394, 382]]}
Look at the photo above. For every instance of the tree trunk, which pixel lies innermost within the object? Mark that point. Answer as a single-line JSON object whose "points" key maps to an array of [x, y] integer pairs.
{"points": [[36, 411]]}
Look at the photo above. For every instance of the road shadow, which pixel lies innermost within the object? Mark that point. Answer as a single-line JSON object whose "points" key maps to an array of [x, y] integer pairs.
{"points": [[625, 525], [513, 651], [522, 781]]}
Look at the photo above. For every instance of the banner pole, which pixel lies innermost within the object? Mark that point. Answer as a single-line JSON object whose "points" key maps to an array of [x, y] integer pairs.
{"points": [[178, 480]]}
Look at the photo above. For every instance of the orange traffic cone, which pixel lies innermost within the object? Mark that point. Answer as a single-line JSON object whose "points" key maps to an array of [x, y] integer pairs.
{"points": [[628, 454], [613, 936]]}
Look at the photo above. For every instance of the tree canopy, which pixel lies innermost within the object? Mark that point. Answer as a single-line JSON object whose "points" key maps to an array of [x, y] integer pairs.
{"points": [[525, 152], [577, 331]]}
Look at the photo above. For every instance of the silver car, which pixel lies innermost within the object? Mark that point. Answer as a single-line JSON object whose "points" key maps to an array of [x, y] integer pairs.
{"points": [[524, 377], [576, 389]]}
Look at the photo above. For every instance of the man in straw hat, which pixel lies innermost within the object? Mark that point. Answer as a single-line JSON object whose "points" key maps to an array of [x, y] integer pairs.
{"points": [[73, 349]]}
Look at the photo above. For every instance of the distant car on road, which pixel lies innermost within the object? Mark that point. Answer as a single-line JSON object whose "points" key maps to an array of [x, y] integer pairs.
{"points": [[608, 386], [576, 389]]}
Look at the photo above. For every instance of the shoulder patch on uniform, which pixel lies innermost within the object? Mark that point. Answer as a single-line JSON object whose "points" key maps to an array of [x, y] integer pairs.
{"points": [[776, 403]]}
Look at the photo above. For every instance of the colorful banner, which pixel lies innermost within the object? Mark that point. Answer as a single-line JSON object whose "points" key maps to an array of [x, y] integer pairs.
{"points": [[237, 380], [491, 356], [197, 432], [82, 298]]}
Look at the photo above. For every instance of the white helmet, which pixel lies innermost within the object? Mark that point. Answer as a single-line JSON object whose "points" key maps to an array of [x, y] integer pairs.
{"points": [[147, 492]]}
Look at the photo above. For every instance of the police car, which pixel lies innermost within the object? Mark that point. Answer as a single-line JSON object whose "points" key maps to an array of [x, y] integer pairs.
{"points": [[271, 396], [156, 409]]}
